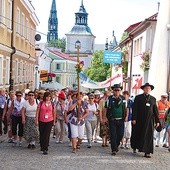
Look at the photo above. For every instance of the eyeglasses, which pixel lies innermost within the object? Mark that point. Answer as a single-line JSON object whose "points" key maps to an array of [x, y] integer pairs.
{"points": [[91, 98], [31, 95], [116, 90], [164, 97]]}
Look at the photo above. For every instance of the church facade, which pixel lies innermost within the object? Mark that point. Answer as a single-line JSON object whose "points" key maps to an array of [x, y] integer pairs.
{"points": [[82, 32]]}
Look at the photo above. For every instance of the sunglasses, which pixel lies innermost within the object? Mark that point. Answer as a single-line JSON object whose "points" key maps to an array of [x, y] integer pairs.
{"points": [[18, 95], [31, 95], [116, 90], [91, 98]]}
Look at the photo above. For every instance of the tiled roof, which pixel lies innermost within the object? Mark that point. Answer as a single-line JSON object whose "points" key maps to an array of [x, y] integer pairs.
{"points": [[133, 26], [63, 55]]}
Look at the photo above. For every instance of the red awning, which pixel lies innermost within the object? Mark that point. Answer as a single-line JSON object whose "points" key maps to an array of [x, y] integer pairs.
{"points": [[51, 74]]}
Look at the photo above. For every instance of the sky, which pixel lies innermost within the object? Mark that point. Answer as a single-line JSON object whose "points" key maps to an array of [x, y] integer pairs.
{"points": [[104, 16]]}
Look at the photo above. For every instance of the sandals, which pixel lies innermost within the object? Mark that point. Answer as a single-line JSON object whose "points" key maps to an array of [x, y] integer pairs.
{"points": [[78, 147], [74, 150]]}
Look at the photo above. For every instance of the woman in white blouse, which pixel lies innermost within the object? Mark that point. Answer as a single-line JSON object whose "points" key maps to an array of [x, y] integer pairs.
{"points": [[28, 120]]}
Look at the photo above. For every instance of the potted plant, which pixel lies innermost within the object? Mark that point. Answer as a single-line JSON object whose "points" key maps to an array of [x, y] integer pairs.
{"points": [[145, 65]]}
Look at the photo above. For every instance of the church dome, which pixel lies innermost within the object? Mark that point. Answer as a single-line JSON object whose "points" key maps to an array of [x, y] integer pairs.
{"points": [[81, 29]]}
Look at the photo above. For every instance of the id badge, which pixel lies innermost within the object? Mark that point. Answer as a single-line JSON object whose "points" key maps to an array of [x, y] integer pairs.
{"points": [[148, 104], [46, 116]]}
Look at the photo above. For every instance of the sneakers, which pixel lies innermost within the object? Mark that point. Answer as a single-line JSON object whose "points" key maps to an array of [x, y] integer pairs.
{"points": [[127, 147], [20, 144], [169, 149], [121, 146], [14, 143], [61, 141], [57, 141], [10, 140]]}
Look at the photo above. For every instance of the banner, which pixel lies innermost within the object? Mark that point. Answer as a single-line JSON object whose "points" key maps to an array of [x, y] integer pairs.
{"points": [[44, 75], [88, 83]]}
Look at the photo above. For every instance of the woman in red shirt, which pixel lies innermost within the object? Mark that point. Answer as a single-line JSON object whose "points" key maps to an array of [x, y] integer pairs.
{"points": [[45, 118]]}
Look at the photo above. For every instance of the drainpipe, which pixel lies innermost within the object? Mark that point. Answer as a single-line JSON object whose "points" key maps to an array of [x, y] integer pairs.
{"points": [[11, 81], [131, 58]]}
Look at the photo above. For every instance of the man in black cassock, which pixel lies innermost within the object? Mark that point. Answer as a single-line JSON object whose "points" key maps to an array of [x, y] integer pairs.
{"points": [[144, 119]]}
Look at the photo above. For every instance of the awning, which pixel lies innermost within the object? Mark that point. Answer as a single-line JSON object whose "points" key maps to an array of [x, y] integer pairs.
{"points": [[51, 74]]}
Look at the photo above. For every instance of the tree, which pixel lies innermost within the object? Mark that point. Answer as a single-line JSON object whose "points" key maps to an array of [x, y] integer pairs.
{"points": [[60, 43], [124, 36], [98, 71]]}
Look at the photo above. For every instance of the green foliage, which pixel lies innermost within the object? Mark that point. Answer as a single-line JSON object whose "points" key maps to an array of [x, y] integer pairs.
{"points": [[124, 63], [60, 43], [98, 71], [124, 36]]}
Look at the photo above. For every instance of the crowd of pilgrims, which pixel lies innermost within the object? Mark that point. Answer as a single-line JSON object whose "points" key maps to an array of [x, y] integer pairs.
{"points": [[38, 115]]}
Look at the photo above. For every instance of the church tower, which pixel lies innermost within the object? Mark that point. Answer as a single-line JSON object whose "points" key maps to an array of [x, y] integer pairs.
{"points": [[82, 32], [52, 23]]}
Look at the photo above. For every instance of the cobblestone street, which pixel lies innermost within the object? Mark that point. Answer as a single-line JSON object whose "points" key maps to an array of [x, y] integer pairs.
{"points": [[60, 157]]}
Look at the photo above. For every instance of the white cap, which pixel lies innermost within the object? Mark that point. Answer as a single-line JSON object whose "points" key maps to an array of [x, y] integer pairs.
{"points": [[164, 94], [97, 92], [26, 91]]}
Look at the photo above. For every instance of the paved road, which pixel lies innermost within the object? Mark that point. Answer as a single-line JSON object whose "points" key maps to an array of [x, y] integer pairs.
{"points": [[61, 158]]}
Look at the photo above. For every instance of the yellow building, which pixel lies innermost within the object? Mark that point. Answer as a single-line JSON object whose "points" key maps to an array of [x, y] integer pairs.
{"points": [[18, 23]]}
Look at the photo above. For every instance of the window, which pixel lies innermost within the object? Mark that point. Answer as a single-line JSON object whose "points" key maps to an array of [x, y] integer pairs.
{"points": [[16, 71], [23, 25], [18, 21], [58, 79], [9, 20], [58, 66], [2, 11], [7, 70], [27, 29], [1, 69], [21, 71]]}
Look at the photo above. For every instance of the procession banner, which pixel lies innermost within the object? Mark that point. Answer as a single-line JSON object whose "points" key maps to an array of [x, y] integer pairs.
{"points": [[88, 83]]}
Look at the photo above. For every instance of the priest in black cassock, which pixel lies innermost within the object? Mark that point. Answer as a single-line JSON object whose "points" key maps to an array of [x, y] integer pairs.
{"points": [[144, 120]]}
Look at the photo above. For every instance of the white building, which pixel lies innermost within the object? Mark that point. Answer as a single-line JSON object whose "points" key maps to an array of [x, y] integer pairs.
{"points": [[138, 43], [63, 66]]}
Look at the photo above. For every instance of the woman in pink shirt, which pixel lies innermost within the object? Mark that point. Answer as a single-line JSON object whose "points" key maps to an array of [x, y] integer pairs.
{"points": [[45, 118]]}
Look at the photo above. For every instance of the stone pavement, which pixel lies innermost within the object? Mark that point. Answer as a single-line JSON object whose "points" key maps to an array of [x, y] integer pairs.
{"points": [[61, 158]]}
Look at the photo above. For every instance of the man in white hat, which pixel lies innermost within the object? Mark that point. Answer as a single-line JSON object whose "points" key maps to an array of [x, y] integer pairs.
{"points": [[163, 105]]}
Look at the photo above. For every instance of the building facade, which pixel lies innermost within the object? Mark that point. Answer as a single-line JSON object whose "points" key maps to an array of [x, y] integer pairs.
{"points": [[63, 66], [18, 23], [137, 47]]}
